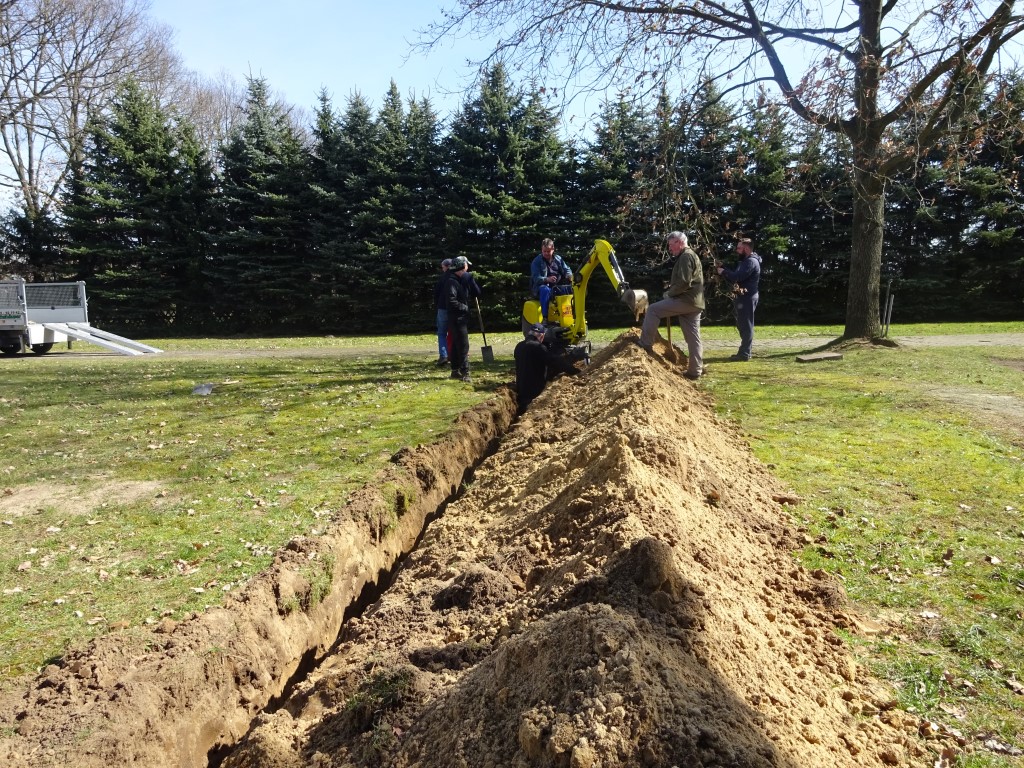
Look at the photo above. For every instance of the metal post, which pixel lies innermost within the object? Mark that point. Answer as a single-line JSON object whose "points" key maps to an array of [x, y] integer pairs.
{"points": [[885, 309]]}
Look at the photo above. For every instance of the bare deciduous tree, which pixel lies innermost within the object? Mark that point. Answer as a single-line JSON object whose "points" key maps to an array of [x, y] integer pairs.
{"points": [[855, 67], [214, 106], [60, 61]]}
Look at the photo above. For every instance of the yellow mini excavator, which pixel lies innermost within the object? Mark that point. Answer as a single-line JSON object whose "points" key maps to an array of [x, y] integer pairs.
{"points": [[567, 318]]}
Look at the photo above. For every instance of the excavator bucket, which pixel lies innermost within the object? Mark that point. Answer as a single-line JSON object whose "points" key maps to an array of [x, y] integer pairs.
{"points": [[636, 300]]}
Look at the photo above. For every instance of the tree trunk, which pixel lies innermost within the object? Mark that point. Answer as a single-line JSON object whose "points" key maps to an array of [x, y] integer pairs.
{"points": [[862, 320]]}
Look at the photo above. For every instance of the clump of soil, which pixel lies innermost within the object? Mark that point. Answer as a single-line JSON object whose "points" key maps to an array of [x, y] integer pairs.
{"points": [[614, 587]]}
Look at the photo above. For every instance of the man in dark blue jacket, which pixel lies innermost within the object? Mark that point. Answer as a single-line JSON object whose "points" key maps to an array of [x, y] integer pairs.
{"points": [[549, 276], [746, 276]]}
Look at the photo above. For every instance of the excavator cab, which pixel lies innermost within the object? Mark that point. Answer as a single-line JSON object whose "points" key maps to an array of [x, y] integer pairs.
{"points": [[568, 313]]}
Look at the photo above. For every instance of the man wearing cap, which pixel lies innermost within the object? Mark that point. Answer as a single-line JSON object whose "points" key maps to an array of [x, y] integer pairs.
{"points": [[442, 315], [539, 359], [531, 358], [549, 276], [457, 292]]}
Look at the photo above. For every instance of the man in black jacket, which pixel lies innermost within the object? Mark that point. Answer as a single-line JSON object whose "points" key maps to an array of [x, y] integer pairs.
{"points": [[531, 358], [457, 291], [540, 357]]}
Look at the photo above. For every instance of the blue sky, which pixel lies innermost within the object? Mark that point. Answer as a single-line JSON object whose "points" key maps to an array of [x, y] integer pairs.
{"points": [[302, 45]]}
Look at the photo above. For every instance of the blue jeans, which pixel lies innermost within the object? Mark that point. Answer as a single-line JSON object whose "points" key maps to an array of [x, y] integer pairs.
{"points": [[545, 292], [442, 333]]}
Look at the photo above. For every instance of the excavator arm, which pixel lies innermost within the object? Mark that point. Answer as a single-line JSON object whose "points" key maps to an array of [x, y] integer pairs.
{"points": [[602, 254]]}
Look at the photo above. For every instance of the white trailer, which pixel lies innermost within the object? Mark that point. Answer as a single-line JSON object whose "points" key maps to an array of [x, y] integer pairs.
{"points": [[35, 316]]}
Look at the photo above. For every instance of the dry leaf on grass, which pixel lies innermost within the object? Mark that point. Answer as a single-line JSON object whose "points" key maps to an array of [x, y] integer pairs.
{"points": [[786, 498]]}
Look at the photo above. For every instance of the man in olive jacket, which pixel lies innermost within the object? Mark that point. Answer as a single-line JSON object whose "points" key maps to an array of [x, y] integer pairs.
{"points": [[683, 299]]}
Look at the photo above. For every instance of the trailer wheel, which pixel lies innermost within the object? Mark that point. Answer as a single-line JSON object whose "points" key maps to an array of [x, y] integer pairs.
{"points": [[10, 351], [41, 349]]}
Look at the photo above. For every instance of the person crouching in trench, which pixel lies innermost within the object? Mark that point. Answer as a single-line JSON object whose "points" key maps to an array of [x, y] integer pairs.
{"points": [[537, 363]]}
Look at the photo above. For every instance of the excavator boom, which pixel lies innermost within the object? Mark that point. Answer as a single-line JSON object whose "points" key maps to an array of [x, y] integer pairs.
{"points": [[604, 255]]}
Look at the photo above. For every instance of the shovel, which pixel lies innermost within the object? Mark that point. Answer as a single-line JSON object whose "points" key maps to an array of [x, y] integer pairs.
{"points": [[486, 351], [673, 353]]}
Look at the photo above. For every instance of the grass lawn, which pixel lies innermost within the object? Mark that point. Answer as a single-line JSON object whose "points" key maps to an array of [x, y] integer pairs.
{"points": [[149, 500], [914, 499]]}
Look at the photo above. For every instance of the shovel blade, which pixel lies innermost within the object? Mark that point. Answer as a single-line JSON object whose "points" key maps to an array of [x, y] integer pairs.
{"points": [[488, 354]]}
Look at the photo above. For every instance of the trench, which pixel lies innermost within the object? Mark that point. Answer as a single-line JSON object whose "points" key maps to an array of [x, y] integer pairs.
{"points": [[619, 589], [479, 434]]}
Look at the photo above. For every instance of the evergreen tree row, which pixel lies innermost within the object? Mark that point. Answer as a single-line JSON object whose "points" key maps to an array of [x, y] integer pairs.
{"points": [[342, 230]]}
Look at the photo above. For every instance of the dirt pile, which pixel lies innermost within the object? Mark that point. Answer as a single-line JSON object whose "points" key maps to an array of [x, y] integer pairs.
{"points": [[614, 588]]}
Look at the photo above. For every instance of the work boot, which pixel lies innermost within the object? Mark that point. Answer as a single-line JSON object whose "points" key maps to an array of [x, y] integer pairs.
{"points": [[455, 375], [465, 378], [441, 362]]}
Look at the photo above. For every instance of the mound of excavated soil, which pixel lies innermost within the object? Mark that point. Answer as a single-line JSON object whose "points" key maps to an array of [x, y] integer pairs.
{"points": [[615, 587]]}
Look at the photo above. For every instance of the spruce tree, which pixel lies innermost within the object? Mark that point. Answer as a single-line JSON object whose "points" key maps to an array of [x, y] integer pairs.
{"points": [[502, 162], [813, 276], [262, 272], [359, 292], [133, 216], [609, 169], [423, 218], [329, 222], [767, 194], [31, 246], [992, 280]]}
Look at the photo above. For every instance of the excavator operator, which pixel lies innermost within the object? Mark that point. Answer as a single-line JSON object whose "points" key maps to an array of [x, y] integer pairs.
{"points": [[549, 276]]}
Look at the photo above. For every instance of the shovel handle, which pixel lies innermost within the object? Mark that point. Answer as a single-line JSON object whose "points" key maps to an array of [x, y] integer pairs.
{"points": [[480, 317]]}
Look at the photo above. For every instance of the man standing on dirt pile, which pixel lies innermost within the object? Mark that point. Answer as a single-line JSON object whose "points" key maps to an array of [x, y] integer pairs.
{"points": [[746, 277], [684, 299], [441, 305], [457, 291], [549, 276]]}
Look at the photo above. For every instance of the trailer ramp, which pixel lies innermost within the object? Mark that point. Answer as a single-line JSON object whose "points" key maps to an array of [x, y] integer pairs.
{"points": [[85, 332]]}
